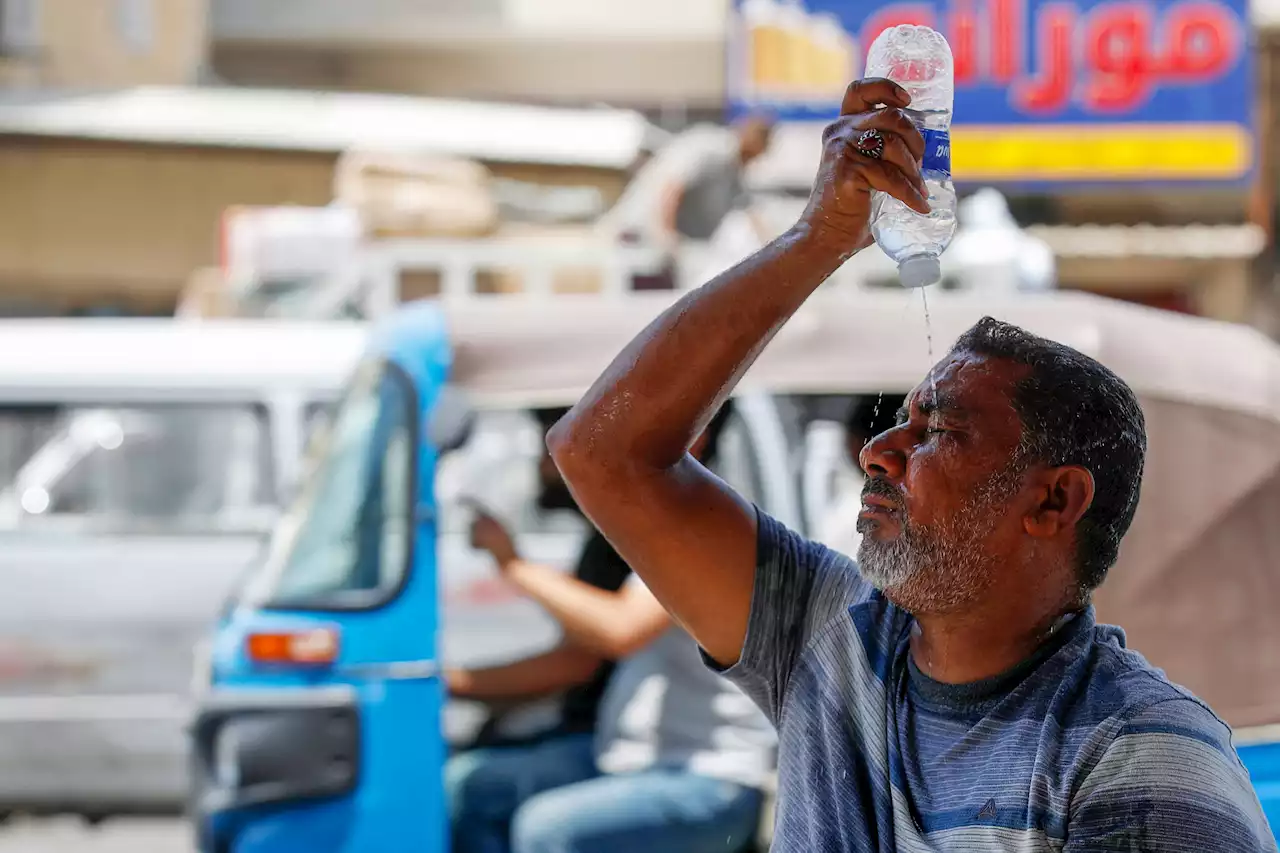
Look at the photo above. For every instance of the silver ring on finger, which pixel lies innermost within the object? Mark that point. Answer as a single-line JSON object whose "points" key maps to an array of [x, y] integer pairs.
{"points": [[870, 144]]}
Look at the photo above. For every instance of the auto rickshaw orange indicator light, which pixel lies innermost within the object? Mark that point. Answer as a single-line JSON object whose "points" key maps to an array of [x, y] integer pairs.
{"points": [[313, 646]]}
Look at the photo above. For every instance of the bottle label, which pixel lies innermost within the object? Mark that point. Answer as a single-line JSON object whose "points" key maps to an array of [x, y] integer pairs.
{"points": [[937, 152]]}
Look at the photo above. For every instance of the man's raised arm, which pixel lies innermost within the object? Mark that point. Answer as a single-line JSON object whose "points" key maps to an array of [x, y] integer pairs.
{"points": [[623, 449]]}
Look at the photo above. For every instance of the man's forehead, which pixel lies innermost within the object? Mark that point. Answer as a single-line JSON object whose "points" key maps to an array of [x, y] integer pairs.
{"points": [[966, 383]]}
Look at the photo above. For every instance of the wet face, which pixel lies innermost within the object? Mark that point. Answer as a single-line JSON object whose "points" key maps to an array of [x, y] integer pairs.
{"points": [[943, 500]]}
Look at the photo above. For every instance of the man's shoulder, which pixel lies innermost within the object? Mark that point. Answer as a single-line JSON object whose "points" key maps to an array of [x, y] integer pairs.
{"points": [[834, 577], [778, 543], [1124, 685], [1149, 761], [1136, 710], [1164, 775], [850, 622]]}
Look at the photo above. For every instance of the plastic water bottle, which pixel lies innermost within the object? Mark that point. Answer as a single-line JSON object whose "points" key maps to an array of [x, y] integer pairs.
{"points": [[919, 60]]}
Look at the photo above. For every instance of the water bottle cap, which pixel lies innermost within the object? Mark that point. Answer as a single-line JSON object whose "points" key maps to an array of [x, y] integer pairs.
{"points": [[920, 271]]}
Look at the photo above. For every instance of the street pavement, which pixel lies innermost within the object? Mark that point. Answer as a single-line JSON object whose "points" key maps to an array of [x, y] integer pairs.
{"points": [[71, 835]]}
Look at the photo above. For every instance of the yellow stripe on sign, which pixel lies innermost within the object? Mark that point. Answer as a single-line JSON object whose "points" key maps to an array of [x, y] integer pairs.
{"points": [[1101, 152]]}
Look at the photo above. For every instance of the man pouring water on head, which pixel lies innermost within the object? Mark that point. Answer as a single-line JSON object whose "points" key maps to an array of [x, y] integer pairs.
{"points": [[951, 690]]}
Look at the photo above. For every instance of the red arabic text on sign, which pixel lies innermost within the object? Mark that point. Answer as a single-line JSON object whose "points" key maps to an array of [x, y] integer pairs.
{"points": [[1108, 59]]}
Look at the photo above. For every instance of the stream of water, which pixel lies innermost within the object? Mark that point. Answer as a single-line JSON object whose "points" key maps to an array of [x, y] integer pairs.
{"points": [[928, 337]]}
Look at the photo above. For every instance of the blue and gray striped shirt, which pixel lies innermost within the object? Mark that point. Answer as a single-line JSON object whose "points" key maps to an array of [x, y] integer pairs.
{"points": [[1087, 747]]}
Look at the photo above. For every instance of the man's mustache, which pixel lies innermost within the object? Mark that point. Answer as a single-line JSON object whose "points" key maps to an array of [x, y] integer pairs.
{"points": [[882, 488]]}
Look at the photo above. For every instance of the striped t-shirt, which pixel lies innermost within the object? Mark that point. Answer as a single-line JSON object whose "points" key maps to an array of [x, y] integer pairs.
{"points": [[1086, 747]]}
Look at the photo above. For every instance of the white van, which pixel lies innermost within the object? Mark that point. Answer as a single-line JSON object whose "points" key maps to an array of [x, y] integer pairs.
{"points": [[141, 463]]}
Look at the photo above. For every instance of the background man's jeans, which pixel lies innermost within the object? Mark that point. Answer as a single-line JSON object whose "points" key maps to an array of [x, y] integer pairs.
{"points": [[549, 798]]}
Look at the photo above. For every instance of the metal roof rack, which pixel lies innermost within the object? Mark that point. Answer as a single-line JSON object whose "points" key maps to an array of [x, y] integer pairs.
{"points": [[341, 273]]}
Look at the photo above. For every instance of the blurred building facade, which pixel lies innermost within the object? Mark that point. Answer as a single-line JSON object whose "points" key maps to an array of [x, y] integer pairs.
{"points": [[118, 198], [669, 53], [101, 44], [567, 51], [128, 213]]}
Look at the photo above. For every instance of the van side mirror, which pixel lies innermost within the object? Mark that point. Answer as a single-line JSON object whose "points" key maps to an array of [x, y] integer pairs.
{"points": [[451, 421]]}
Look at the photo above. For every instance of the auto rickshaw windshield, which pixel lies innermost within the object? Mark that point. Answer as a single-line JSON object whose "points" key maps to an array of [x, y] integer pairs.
{"points": [[345, 541]]}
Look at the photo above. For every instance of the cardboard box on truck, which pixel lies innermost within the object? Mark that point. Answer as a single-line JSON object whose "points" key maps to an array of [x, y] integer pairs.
{"points": [[416, 195]]}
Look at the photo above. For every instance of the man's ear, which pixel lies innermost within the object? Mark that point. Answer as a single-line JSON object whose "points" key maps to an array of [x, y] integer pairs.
{"points": [[1063, 496]]}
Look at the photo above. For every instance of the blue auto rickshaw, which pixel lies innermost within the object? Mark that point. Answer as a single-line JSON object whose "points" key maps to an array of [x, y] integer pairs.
{"points": [[320, 730]]}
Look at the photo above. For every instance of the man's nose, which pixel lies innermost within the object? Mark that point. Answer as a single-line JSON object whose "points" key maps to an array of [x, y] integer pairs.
{"points": [[883, 456]]}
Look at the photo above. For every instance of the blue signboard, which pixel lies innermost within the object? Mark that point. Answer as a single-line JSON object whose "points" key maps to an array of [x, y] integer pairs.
{"points": [[1046, 90]]}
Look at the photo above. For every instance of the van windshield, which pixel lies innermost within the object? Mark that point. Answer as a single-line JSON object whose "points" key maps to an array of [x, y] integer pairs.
{"points": [[345, 541], [148, 467]]}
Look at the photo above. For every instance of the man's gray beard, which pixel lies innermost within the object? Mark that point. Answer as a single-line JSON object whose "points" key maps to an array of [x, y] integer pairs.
{"points": [[937, 568]]}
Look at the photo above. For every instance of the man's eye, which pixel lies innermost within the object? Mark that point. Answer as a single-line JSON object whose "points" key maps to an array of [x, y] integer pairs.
{"points": [[934, 430]]}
